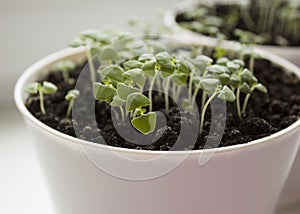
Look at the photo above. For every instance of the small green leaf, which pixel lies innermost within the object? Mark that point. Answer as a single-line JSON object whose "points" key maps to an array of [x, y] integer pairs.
{"points": [[260, 87], [76, 42], [247, 75], [218, 69], [235, 81], [113, 72], [104, 92], [49, 88], [180, 79], [66, 65], [146, 57], [117, 102], [145, 123], [165, 62], [232, 66], [184, 67], [72, 94], [125, 90], [32, 88], [222, 61], [245, 88], [149, 68], [136, 101], [109, 53], [224, 78], [209, 85], [131, 64], [201, 62], [136, 75], [239, 62], [227, 94]]}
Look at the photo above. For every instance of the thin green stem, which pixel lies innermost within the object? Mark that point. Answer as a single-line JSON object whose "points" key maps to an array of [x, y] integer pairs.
{"points": [[247, 100], [238, 105], [91, 65], [167, 94], [42, 106], [195, 94], [66, 76], [71, 103], [204, 97], [122, 113], [204, 110], [150, 90], [191, 85], [247, 18]]}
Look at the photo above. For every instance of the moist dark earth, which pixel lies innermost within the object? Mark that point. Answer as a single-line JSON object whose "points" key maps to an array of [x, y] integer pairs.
{"points": [[266, 114], [223, 10]]}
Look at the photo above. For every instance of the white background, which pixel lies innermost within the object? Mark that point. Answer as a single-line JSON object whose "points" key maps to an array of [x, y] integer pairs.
{"points": [[30, 30]]}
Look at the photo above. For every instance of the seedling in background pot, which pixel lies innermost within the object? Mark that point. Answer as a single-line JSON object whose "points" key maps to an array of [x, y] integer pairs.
{"points": [[41, 89], [65, 67], [71, 96]]}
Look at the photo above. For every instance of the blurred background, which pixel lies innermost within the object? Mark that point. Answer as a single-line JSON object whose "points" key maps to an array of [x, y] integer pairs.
{"points": [[29, 31]]}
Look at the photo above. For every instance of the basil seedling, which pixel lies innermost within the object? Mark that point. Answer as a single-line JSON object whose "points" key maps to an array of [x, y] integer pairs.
{"points": [[41, 89]]}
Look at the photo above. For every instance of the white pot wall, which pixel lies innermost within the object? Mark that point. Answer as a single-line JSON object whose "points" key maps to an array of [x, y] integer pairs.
{"points": [[291, 192], [244, 179]]}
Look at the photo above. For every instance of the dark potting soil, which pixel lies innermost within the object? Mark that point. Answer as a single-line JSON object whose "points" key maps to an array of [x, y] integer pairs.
{"points": [[223, 10], [266, 114]]}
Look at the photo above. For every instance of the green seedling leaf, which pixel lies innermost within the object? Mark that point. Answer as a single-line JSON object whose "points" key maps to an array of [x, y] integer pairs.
{"points": [[32, 88], [117, 102], [125, 90], [165, 62], [260, 87], [136, 101], [72, 94], [96, 36], [245, 88], [180, 79], [222, 61], [66, 65], [201, 62], [232, 66], [113, 72], [241, 63], [146, 57], [224, 78], [217, 69], [246, 75], [234, 81], [145, 123], [76, 42], [184, 67], [136, 75], [149, 68], [48, 88], [227, 94], [104, 92], [109, 53], [209, 85], [131, 64]]}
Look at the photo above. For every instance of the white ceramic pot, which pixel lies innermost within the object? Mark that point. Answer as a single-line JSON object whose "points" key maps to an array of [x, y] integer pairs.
{"points": [[291, 192], [290, 53], [84, 177]]}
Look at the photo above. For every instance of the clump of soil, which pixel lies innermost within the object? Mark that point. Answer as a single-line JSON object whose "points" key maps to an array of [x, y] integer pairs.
{"points": [[266, 114]]}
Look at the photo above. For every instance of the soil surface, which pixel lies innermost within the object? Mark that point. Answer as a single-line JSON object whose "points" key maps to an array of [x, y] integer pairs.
{"points": [[275, 37], [266, 114]]}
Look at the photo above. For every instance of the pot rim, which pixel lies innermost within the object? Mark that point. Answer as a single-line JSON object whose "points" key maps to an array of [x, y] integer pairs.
{"points": [[169, 20], [68, 52]]}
